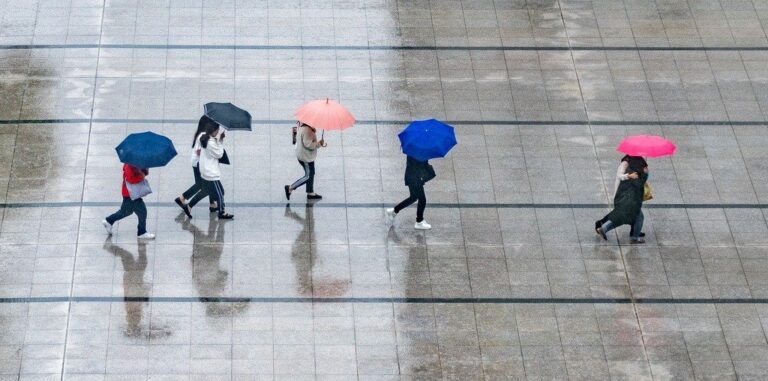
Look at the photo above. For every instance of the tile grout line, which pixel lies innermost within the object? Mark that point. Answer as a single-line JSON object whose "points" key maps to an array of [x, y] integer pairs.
{"points": [[82, 194]]}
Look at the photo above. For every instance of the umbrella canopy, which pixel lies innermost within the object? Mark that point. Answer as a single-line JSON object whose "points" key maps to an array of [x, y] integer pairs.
{"points": [[427, 139], [146, 150], [325, 115], [228, 116], [646, 146]]}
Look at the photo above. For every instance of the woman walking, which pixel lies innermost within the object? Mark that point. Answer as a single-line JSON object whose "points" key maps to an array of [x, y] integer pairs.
{"points": [[197, 191], [627, 202], [306, 153], [131, 203], [417, 173], [211, 150], [623, 174]]}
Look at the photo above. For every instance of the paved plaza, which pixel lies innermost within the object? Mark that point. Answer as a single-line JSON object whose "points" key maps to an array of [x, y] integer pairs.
{"points": [[512, 281]]}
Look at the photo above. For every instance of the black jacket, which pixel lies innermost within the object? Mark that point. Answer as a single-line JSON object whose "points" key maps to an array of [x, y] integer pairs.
{"points": [[418, 172], [628, 201]]}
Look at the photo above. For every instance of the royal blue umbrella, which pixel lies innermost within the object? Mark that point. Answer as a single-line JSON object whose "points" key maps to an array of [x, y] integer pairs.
{"points": [[146, 150], [427, 139], [228, 115]]}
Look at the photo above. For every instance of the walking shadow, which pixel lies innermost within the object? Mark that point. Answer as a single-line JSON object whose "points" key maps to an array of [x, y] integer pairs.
{"points": [[209, 278], [302, 252], [135, 290]]}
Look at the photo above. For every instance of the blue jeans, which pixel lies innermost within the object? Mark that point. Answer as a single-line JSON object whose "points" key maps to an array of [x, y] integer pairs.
{"points": [[637, 226], [129, 207]]}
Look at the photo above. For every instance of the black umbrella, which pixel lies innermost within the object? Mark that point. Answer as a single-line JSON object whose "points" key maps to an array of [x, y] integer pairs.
{"points": [[228, 116]]}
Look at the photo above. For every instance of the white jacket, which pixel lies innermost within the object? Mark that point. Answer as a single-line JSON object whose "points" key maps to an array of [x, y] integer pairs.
{"points": [[306, 145], [209, 159]]}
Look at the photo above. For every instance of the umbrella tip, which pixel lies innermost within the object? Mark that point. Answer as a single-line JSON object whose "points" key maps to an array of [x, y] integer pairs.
{"points": [[326, 99]]}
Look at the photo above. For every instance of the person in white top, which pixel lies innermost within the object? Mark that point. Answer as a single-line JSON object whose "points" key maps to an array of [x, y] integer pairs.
{"points": [[306, 153], [211, 150], [197, 191]]}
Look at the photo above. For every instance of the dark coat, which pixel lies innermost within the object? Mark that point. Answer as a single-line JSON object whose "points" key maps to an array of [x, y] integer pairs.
{"points": [[628, 201], [417, 172]]}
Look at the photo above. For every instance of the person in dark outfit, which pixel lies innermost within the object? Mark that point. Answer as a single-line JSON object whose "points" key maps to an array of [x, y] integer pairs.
{"points": [[623, 174], [198, 190], [627, 204], [417, 173]]}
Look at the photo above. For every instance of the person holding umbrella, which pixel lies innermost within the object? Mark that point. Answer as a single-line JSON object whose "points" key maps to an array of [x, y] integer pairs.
{"points": [[212, 149], [198, 190], [306, 152], [325, 115], [421, 141], [631, 184], [139, 152]]}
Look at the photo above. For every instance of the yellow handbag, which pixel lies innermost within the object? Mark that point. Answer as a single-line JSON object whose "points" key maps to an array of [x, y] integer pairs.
{"points": [[647, 193]]}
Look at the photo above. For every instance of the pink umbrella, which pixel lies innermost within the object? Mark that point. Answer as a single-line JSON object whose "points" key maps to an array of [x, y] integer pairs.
{"points": [[646, 146], [325, 115]]}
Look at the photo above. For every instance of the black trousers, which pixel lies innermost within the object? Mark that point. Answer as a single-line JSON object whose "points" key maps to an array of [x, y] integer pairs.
{"points": [[129, 207], [416, 194], [196, 192], [308, 178]]}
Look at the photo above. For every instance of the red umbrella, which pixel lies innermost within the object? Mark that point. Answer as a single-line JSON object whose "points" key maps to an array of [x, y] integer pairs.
{"points": [[646, 146]]}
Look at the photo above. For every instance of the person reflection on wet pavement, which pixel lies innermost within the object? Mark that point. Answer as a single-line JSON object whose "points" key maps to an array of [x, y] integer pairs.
{"points": [[134, 286], [210, 279], [305, 259]]}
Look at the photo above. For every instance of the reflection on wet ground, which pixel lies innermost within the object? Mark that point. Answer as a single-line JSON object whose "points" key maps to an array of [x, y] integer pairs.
{"points": [[510, 284]]}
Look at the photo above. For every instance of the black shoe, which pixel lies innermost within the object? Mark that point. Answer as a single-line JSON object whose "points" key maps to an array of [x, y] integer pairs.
{"points": [[226, 216], [600, 232], [287, 192], [184, 207], [314, 196], [642, 235]]}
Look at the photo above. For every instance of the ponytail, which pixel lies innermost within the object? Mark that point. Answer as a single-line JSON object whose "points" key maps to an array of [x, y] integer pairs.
{"points": [[210, 129]]}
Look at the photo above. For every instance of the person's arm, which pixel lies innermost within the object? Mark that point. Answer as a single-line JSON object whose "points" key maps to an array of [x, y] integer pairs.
{"points": [[309, 140], [134, 175], [215, 147], [621, 173]]}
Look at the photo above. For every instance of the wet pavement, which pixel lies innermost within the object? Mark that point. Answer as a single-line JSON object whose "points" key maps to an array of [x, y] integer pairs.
{"points": [[511, 283]]}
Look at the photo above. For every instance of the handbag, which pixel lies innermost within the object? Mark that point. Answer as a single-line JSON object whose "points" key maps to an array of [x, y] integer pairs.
{"points": [[224, 158], [429, 173], [138, 190], [647, 192]]}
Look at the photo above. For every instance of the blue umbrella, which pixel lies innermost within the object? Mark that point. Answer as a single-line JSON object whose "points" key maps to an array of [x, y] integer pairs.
{"points": [[146, 150], [427, 139]]}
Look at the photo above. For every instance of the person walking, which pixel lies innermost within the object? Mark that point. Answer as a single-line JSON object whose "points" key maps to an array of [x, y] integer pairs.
{"points": [[132, 203], [306, 153], [627, 203], [197, 191], [417, 173], [211, 150], [623, 174]]}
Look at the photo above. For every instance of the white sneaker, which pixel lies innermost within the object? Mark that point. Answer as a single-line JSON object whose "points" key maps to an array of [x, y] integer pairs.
{"points": [[423, 225], [107, 226], [390, 212], [146, 236]]}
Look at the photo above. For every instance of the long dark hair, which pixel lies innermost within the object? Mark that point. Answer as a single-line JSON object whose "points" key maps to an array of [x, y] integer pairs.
{"points": [[636, 163], [210, 128], [201, 127]]}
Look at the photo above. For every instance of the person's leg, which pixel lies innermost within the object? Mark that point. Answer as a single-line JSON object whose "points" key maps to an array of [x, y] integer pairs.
{"points": [[638, 226], [422, 203], [407, 202], [311, 179], [303, 179], [218, 189], [126, 209], [608, 226], [141, 213]]}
